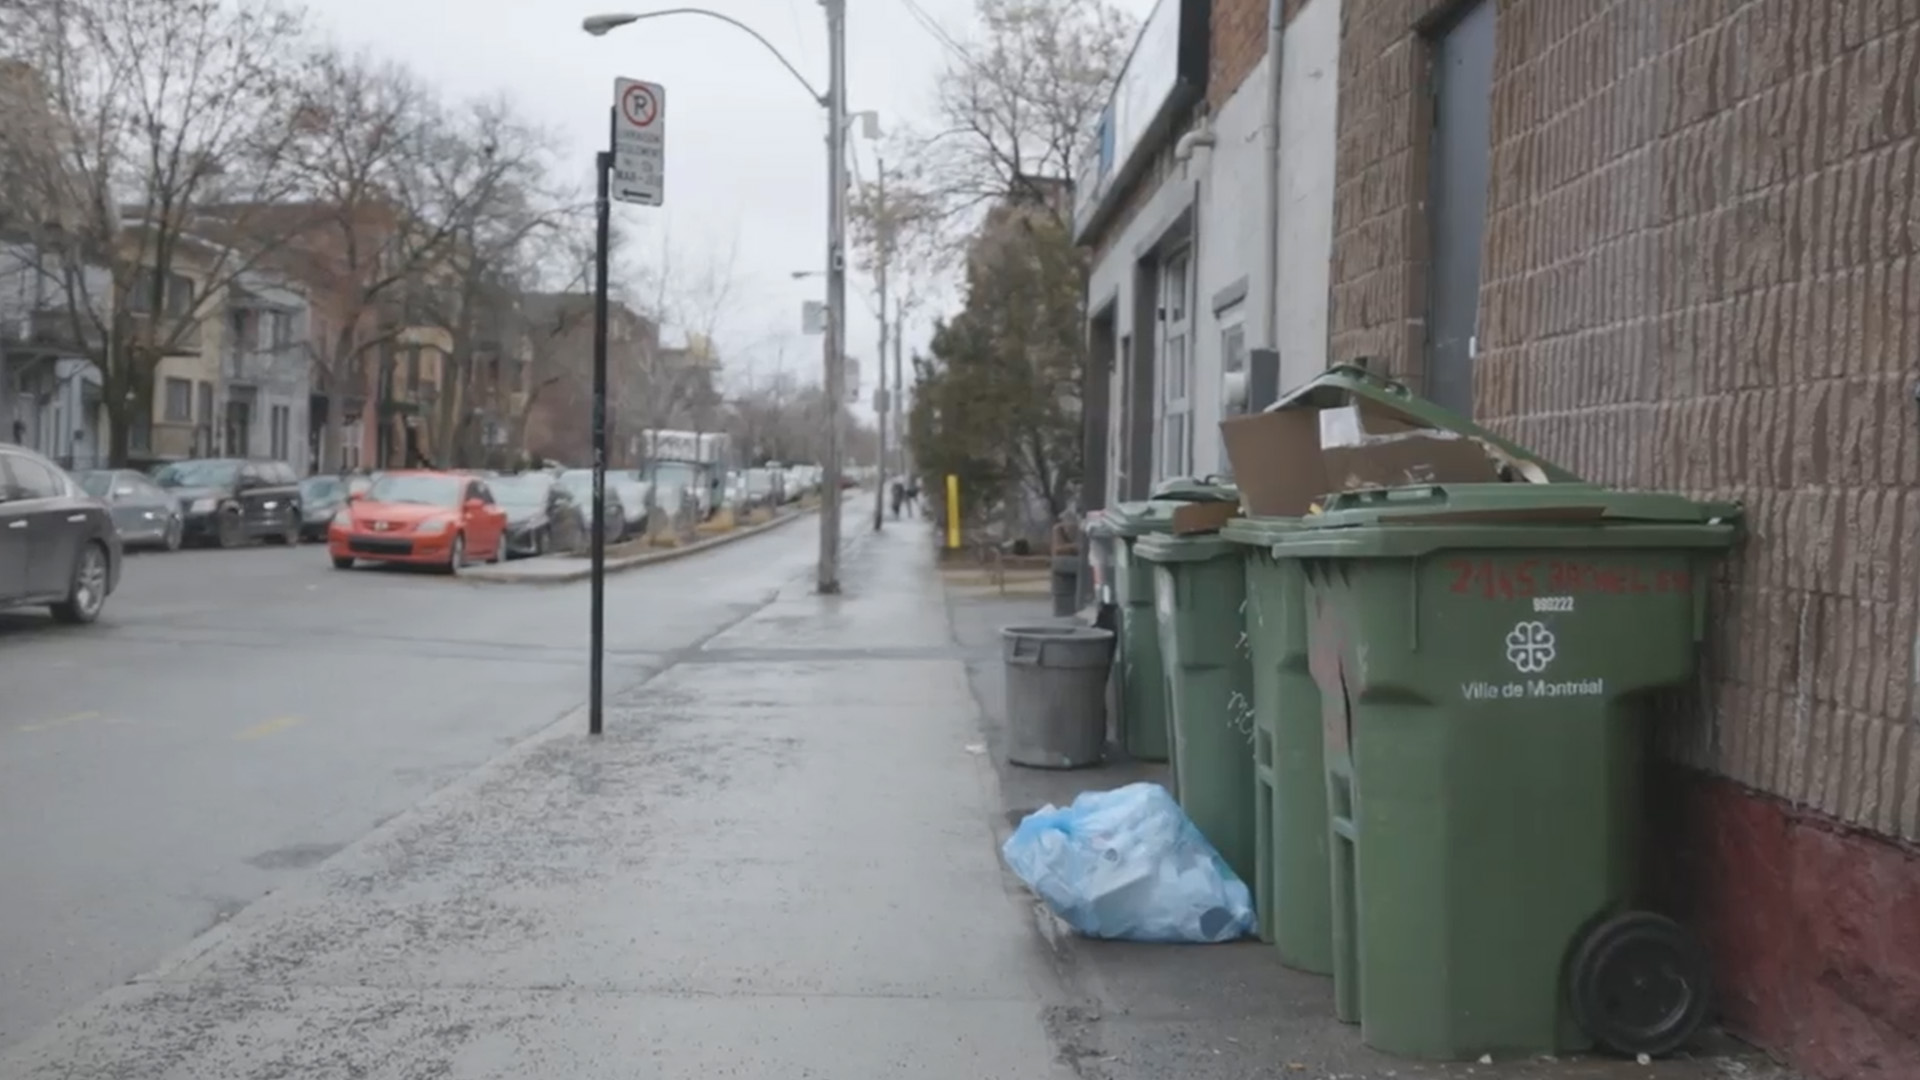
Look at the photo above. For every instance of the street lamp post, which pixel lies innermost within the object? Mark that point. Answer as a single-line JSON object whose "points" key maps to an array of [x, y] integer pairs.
{"points": [[827, 575]]}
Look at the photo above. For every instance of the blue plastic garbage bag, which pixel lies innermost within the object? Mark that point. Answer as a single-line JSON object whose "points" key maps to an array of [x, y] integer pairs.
{"points": [[1128, 865]]}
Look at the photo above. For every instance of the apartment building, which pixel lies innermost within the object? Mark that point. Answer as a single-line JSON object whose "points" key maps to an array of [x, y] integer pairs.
{"points": [[1666, 245]]}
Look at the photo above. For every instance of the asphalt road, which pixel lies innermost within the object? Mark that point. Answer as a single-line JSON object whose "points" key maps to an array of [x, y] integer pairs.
{"points": [[238, 716]]}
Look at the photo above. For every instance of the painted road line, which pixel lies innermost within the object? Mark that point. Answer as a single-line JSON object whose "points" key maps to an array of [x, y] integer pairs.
{"points": [[266, 728], [59, 721]]}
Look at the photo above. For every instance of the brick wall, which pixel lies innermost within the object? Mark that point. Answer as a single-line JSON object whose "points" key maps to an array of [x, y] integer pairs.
{"points": [[1699, 274]]}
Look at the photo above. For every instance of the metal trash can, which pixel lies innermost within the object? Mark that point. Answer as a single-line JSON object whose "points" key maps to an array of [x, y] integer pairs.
{"points": [[1056, 694]]}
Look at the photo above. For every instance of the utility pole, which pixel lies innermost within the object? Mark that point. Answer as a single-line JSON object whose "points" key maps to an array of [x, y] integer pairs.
{"points": [[827, 580], [883, 239]]}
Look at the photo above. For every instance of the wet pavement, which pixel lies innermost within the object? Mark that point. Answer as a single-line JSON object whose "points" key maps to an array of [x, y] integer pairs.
{"points": [[778, 862], [1215, 1012], [238, 717]]}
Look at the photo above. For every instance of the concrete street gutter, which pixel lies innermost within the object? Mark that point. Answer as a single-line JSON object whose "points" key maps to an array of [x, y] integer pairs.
{"points": [[579, 568]]}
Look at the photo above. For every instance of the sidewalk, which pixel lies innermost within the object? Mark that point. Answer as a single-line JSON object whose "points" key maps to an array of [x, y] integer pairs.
{"points": [[1217, 1012], [779, 862]]}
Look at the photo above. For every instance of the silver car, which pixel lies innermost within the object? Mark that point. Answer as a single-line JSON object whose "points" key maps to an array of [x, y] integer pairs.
{"points": [[143, 513]]}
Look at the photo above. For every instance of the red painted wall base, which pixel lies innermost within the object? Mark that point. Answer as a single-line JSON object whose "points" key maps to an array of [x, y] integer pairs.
{"points": [[1814, 928]]}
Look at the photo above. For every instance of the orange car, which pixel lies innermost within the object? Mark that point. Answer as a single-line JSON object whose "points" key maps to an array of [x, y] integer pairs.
{"points": [[425, 518]]}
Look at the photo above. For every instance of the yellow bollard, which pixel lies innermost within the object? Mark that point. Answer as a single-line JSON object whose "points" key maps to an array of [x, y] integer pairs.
{"points": [[953, 512]]}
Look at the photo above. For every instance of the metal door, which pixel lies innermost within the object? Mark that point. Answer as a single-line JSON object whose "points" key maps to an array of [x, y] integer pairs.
{"points": [[1457, 202]]}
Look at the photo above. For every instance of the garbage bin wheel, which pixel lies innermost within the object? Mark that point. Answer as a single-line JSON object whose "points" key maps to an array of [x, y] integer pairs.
{"points": [[1640, 983]]}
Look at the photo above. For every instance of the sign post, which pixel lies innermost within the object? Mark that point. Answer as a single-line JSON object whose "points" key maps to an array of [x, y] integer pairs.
{"points": [[633, 170]]}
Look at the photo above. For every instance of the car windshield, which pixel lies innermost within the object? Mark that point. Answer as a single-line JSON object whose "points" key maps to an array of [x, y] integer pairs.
{"points": [[96, 484], [192, 474], [520, 491], [321, 487], [419, 488]]}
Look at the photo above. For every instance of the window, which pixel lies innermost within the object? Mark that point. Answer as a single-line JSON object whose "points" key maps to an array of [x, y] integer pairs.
{"points": [[30, 479], [276, 330], [1176, 393], [179, 401], [179, 295], [280, 424], [205, 413]]}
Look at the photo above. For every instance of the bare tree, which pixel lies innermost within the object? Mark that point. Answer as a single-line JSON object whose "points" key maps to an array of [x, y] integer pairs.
{"points": [[1021, 99], [675, 382], [145, 113]]}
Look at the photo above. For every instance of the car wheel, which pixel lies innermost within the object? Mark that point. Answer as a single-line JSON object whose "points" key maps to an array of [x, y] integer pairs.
{"points": [[87, 593], [176, 533], [230, 533], [457, 556], [343, 562]]}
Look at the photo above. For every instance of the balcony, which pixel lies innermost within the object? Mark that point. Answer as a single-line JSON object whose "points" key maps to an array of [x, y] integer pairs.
{"points": [[172, 335], [51, 330]]}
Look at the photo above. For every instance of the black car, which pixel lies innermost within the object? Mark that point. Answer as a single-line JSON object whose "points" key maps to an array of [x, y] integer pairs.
{"points": [[58, 545], [144, 513], [541, 513], [321, 497], [228, 501]]}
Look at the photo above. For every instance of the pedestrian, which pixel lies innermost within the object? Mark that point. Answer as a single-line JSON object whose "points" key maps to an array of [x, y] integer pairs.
{"points": [[899, 495], [913, 496]]}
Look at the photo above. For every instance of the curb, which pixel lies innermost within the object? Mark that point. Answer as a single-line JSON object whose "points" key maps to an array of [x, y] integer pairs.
{"points": [[631, 562]]}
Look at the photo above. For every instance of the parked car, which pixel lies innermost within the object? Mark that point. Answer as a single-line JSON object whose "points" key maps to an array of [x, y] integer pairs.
{"points": [[542, 515], [230, 501], [420, 517], [58, 545], [321, 497], [142, 513], [764, 487], [626, 499]]}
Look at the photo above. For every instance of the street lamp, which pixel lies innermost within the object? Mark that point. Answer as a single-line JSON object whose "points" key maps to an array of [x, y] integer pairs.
{"points": [[827, 576]]}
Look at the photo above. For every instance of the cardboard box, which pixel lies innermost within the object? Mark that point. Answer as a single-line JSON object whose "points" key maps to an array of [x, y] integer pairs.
{"points": [[1286, 460], [1203, 517]]}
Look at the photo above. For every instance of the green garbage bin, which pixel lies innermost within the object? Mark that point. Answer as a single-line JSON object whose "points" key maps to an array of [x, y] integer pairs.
{"points": [[1292, 874], [1199, 592], [1291, 882], [1483, 653], [1139, 675]]}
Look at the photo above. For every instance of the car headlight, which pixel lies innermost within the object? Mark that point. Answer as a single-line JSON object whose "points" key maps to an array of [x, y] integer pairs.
{"points": [[203, 506], [433, 527]]}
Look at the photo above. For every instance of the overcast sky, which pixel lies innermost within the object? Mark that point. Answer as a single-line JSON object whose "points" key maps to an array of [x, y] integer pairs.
{"points": [[746, 159]]}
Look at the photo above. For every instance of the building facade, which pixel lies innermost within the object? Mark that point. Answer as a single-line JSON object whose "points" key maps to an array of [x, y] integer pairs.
{"points": [[1666, 246]]}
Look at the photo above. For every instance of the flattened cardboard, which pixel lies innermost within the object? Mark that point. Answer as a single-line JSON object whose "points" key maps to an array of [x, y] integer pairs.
{"points": [[1203, 517], [1283, 464]]}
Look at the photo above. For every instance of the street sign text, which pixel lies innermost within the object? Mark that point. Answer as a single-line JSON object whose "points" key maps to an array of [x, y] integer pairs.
{"points": [[639, 142]]}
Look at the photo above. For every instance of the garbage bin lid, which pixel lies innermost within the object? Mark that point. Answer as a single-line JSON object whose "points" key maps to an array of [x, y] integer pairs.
{"points": [[1156, 514], [1415, 521], [1197, 547], [1514, 504], [1343, 383]]}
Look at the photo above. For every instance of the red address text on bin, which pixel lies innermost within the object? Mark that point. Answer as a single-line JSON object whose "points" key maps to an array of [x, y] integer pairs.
{"points": [[1491, 580]]}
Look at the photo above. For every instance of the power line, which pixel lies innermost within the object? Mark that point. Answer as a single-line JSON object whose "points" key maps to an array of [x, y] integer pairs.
{"points": [[932, 26]]}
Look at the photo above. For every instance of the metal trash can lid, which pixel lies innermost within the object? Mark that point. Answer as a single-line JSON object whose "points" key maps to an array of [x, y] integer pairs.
{"points": [[1060, 645]]}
